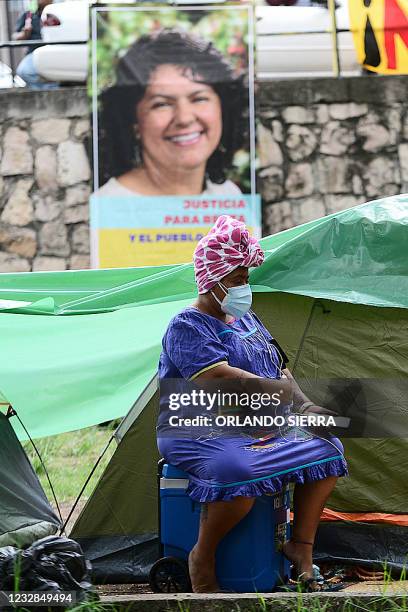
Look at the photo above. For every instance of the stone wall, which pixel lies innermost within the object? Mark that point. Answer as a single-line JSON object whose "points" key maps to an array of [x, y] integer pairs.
{"points": [[327, 144], [324, 145], [44, 180]]}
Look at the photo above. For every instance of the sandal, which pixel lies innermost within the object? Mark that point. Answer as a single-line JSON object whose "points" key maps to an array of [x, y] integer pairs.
{"points": [[310, 586], [314, 584]]}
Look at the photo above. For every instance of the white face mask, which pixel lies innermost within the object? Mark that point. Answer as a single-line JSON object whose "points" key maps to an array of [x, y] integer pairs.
{"points": [[237, 300]]}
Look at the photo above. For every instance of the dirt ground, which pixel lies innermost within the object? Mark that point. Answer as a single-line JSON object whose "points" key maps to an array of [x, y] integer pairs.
{"points": [[123, 589], [395, 587]]}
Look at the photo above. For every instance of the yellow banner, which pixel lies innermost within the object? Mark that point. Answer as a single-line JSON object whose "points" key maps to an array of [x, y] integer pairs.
{"points": [[380, 32], [124, 248]]}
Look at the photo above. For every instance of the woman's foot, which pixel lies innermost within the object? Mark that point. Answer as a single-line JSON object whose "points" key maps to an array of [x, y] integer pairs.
{"points": [[300, 554], [202, 572]]}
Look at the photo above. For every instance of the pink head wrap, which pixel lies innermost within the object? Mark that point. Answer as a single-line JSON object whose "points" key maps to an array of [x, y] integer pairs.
{"points": [[227, 246]]}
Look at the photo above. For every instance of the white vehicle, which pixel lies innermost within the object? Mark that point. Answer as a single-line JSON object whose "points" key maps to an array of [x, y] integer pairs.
{"points": [[64, 22], [291, 41], [296, 41]]}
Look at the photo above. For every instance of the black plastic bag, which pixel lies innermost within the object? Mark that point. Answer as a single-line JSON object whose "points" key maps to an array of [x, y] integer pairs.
{"points": [[8, 556], [52, 564]]}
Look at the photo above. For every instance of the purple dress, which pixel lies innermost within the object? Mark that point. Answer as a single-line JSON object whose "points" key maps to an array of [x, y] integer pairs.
{"points": [[222, 467]]}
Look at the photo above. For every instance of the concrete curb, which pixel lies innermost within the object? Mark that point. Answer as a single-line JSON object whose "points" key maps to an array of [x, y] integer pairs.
{"points": [[249, 602]]}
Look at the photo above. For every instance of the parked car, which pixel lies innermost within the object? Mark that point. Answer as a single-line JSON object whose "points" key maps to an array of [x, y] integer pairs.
{"points": [[64, 22], [291, 41], [296, 41]]}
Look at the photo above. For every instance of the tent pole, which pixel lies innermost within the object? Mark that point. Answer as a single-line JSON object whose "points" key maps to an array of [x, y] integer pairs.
{"points": [[62, 530]]}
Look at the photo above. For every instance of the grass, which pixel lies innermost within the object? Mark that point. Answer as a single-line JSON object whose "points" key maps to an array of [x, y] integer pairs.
{"points": [[380, 604], [69, 458]]}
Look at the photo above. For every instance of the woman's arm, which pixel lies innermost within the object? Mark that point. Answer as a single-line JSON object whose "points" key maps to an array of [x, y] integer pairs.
{"points": [[287, 387], [247, 382]]}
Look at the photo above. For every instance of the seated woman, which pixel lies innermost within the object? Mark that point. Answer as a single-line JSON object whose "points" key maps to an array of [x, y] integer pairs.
{"points": [[218, 337]]}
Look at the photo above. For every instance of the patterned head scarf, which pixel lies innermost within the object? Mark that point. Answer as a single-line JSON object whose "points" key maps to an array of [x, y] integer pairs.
{"points": [[227, 246]]}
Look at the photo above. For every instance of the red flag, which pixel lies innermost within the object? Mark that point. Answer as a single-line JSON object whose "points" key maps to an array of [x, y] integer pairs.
{"points": [[395, 23]]}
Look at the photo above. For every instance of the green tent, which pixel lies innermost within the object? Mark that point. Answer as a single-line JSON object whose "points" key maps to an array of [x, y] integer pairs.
{"points": [[82, 347], [25, 513]]}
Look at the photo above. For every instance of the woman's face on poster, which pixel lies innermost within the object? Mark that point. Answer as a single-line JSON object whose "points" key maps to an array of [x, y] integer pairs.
{"points": [[179, 120]]}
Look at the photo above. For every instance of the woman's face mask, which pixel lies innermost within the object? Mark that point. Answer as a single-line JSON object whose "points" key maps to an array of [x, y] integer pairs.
{"points": [[237, 300]]}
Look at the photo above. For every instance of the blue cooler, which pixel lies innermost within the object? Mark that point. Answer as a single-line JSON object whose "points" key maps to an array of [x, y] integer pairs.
{"points": [[248, 559]]}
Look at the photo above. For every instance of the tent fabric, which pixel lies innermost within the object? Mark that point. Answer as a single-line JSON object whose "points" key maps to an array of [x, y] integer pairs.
{"points": [[3, 400], [25, 514], [357, 256], [78, 369], [377, 546], [65, 373], [117, 528], [359, 247], [365, 517]]}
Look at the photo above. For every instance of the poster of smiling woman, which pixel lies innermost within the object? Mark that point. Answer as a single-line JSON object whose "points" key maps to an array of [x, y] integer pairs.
{"points": [[173, 129]]}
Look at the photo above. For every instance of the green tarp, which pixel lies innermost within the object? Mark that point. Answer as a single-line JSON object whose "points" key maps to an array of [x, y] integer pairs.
{"points": [[82, 345]]}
